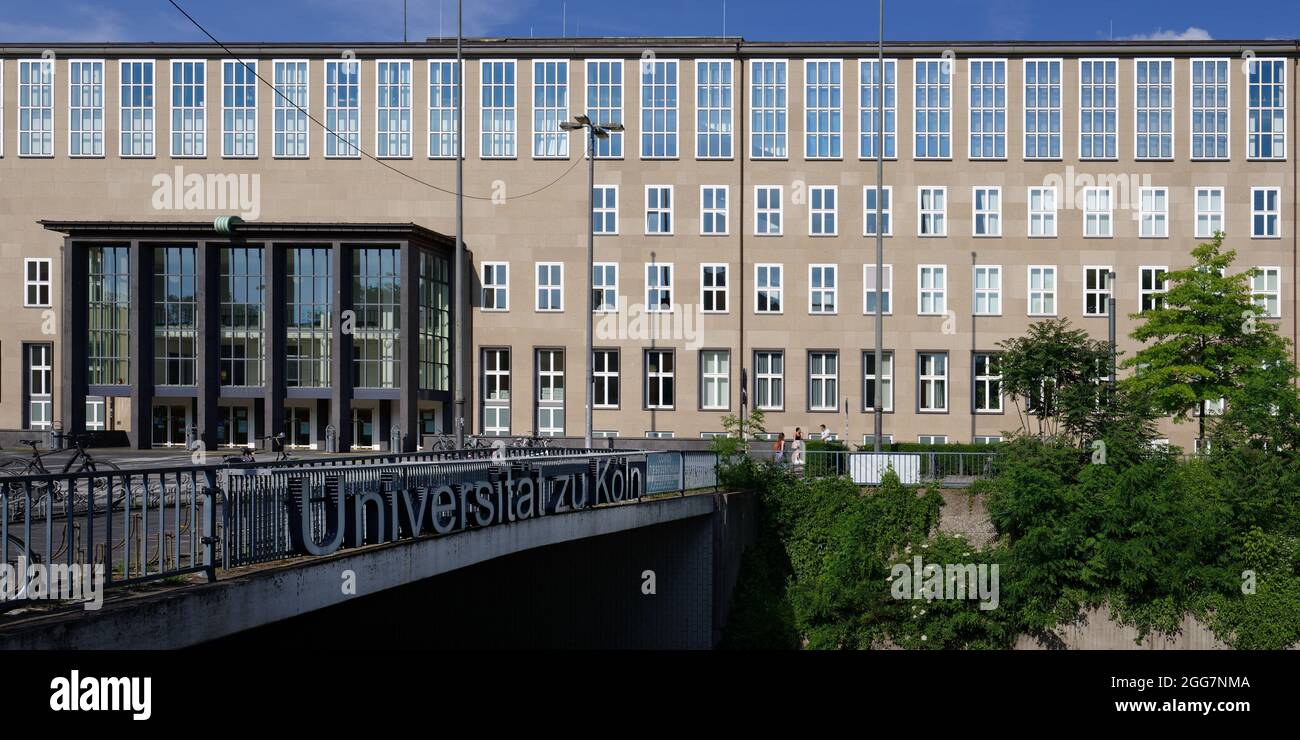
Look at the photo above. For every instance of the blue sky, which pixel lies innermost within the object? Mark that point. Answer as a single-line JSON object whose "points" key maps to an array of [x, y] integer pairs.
{"points": [[381, 20]]}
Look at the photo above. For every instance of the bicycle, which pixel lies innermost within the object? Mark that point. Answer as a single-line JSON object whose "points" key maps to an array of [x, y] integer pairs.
{"points": [[17, 466], [249, 455]]}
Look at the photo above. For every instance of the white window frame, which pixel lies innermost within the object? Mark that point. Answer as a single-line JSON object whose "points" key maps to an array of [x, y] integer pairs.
{"points": [[773, 380], [660, 210], [42, 285], [1045, 214], [658, 287], [1162, 271], [502, 270], [769, 268], [1102, 293], [995, 404], [247, 135], [723, 291], [594, 91], [649, 70], [1046, 293], [820, 215], [553, 290], [197, 115], [1101, 110], [1159, 110], [986, 284], [715, 385], [550, 404], [1279, 153], [943, 68], [779, 136], [714, 121], [604, 377], [77, 112], [1223, 66], [1262, 296], [886, 210], [937, 216], [999, 131], [829, 381], [833, 291], [658, 377], [714, 211], [990, 214], [604, 269], [1040, 110], [832, 111], [549, 140], [1097, 214], [281, 102], [43, 134], [886, 380], [1207, 218], [868, 107], [1274, 213], [928, 381], [602, 209], [43, 397], [442, 108], [869, 288], [937, 292], [493, 142], [1153, 221], [769, 211], [494, 399], [345, 133], [148, 113]]}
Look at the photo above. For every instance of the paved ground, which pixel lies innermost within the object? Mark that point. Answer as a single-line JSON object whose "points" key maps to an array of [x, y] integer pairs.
{"points": [[965, 515]]}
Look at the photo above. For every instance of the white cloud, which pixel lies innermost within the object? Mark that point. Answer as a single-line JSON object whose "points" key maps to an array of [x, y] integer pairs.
{"points": [[1192, 33]]}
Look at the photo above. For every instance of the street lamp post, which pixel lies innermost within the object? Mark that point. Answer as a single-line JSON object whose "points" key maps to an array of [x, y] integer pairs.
{"points": [[594, 131]]}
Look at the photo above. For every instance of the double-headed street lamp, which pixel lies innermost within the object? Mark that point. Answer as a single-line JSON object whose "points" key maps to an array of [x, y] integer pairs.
{"points": [[594, 131]]}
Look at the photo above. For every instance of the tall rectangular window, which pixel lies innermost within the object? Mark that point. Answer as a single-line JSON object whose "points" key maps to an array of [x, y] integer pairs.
{"points": [[1211, 108], [605, 102], [715, 379], [496, 392], [767, 210], [39, 385], [1151, 288], [36, 282], [1098, 108], [932, 385], [108, 316], [189, 108], [290, 128], [869, 289], [713, 288], [823, 289], [988, 108], [769, 380], [1042, 290], [36, 107], [1265, 216], [393, 108], [137, 107], [496, 286], [768, 288], [1266, 290], [870, 377], [658, 108], [1097, 214], [377, 334], [869, 108], [309, 284], [86, 108], [1209, 212], [987, 396], [1042, 212], [823, 108], [1096, 291], [769, 109], [1153, 212], [659, 209], [713, 108], [239, 108], [870, 207], [1266, 109], [660, 379], [932, 109], [605, 379], [604, 214], [497, 108], [550, 286], [658, 288], [932, 211], [434, 317], [550, 392], [243, 311], [988, 290], [1042, 109], [604, 287], [443, 125], [342, 108], [175, 308], [986, 220], [1153, 108], [822, 210], [932, 297], [713, 210], [823, 381], [550, 108]]}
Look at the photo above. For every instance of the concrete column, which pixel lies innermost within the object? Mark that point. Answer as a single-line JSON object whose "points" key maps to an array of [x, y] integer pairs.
{"points": [[141, 367], [208, 268], [72, 337], [408, 405], [341, 387], [275, 316]]}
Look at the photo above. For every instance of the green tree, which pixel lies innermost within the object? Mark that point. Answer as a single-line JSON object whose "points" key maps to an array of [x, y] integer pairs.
{"points": [[1058, 372], [1206, 340], [739, 429]]}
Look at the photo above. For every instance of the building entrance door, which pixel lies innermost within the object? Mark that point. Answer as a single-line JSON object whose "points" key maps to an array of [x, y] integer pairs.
{"points": [[169, 422], [363, 427], [235, 430]]}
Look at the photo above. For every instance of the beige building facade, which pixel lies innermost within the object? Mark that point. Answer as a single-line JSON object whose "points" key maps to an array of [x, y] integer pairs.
{"points": [[736, 209]]}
